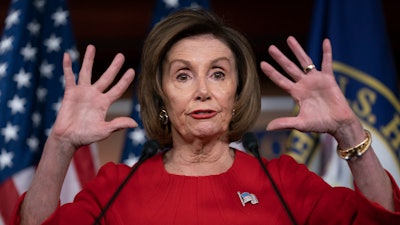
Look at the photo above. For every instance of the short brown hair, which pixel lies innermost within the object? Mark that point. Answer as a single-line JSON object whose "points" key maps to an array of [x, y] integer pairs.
{"points": [[177, 26]]}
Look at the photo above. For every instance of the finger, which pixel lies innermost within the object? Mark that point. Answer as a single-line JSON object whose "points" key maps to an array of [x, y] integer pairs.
{"points": [[276, 76], [118, 89], [299, 52], [109, 75], [282, 123], [287, 65], [68, 73], [122, 123], [85, 75], [327, 57]]}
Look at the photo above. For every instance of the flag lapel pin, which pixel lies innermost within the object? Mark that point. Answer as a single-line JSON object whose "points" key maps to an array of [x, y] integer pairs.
{"points": [[246, 197]]}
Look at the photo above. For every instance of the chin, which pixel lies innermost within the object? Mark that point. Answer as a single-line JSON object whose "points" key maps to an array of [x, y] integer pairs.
{"points": [[209, 133]]}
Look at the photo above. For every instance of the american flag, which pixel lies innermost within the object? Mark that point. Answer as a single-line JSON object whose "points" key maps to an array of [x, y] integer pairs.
{"points": [[35, 36], [136, 137]]}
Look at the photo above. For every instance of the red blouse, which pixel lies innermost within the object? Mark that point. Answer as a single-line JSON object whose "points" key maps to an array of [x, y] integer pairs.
{"points": [[153, 196]]}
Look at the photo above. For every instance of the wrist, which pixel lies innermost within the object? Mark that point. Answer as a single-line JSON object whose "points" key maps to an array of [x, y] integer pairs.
{"points": [[60, 145], [357, 150], [349, 134]]}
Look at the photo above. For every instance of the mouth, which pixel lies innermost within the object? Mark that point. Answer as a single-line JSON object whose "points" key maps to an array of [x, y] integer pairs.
{"points": [[203, 114]]}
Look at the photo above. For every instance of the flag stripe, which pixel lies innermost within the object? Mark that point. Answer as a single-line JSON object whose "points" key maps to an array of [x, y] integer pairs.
{"points": [[8, 196], [70, 186], [84, 164], [23, 179]]}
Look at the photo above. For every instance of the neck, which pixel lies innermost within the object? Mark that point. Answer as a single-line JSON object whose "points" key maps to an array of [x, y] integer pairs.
{"points": [[199, 159]]}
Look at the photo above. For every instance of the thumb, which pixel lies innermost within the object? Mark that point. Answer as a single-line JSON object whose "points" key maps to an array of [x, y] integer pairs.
{"points": [[122, 123], [282, 123]]}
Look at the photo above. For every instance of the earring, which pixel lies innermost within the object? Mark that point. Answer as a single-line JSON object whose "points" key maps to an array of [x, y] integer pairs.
{"points": [[233, 112], [163, 117]]}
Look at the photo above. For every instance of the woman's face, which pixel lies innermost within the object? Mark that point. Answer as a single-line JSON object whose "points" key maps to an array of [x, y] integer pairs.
{"points": [[199, 80]]}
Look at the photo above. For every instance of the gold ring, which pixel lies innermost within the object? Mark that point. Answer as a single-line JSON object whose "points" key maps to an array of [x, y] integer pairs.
{"points": [[308, 68]]}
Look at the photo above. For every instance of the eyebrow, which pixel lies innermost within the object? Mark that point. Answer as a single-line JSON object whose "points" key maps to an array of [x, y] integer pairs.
{"points": [[223, 58]]}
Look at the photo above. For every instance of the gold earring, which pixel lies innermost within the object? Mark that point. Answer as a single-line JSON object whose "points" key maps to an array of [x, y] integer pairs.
{"points": [[163, 117]]}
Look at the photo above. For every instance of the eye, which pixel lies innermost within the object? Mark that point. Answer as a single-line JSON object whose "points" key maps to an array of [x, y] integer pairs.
{"points": [[219, 75], [182, 77]]}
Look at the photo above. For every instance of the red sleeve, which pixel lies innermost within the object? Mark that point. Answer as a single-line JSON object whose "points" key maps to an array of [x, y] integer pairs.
{"points": [[313, 201], [87, 204]]}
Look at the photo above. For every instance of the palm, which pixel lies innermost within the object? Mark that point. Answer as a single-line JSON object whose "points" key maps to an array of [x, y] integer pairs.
{"points": [[81, 119], [322, 106]]}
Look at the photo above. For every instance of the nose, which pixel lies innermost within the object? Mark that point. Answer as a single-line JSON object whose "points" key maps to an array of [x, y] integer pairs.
{"points": [[203, 91]]}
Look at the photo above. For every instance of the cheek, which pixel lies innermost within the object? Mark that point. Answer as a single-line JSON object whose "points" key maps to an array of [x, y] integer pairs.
{"points": [[176, 104], [226, 98]]}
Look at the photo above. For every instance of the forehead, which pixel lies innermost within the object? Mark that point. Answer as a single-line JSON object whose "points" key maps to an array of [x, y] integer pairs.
{"points": [[199, 44]]}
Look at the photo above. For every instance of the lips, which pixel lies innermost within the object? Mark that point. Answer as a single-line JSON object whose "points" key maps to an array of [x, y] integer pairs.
{"points": [[203, 114]]}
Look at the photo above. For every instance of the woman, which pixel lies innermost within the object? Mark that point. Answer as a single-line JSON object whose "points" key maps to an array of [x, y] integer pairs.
{"points": [[198, 92]]}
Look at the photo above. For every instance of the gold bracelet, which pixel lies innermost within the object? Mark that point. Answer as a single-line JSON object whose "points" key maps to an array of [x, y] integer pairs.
{"points": [[357, 150]]}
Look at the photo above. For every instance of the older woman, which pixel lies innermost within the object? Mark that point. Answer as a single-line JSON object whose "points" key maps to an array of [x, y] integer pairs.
{"points": [[198, 92]]}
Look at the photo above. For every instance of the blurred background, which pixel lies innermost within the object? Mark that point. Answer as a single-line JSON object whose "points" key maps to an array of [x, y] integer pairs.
{"points": [[122, 25], [31, 88]]}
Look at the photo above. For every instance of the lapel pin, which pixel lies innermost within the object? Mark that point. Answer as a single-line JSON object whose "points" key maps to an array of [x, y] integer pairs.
{"points": [[246, 197]]}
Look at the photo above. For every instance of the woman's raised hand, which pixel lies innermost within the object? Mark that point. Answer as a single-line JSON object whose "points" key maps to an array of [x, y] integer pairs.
{"points": [[81, 119], [322, 106]]}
